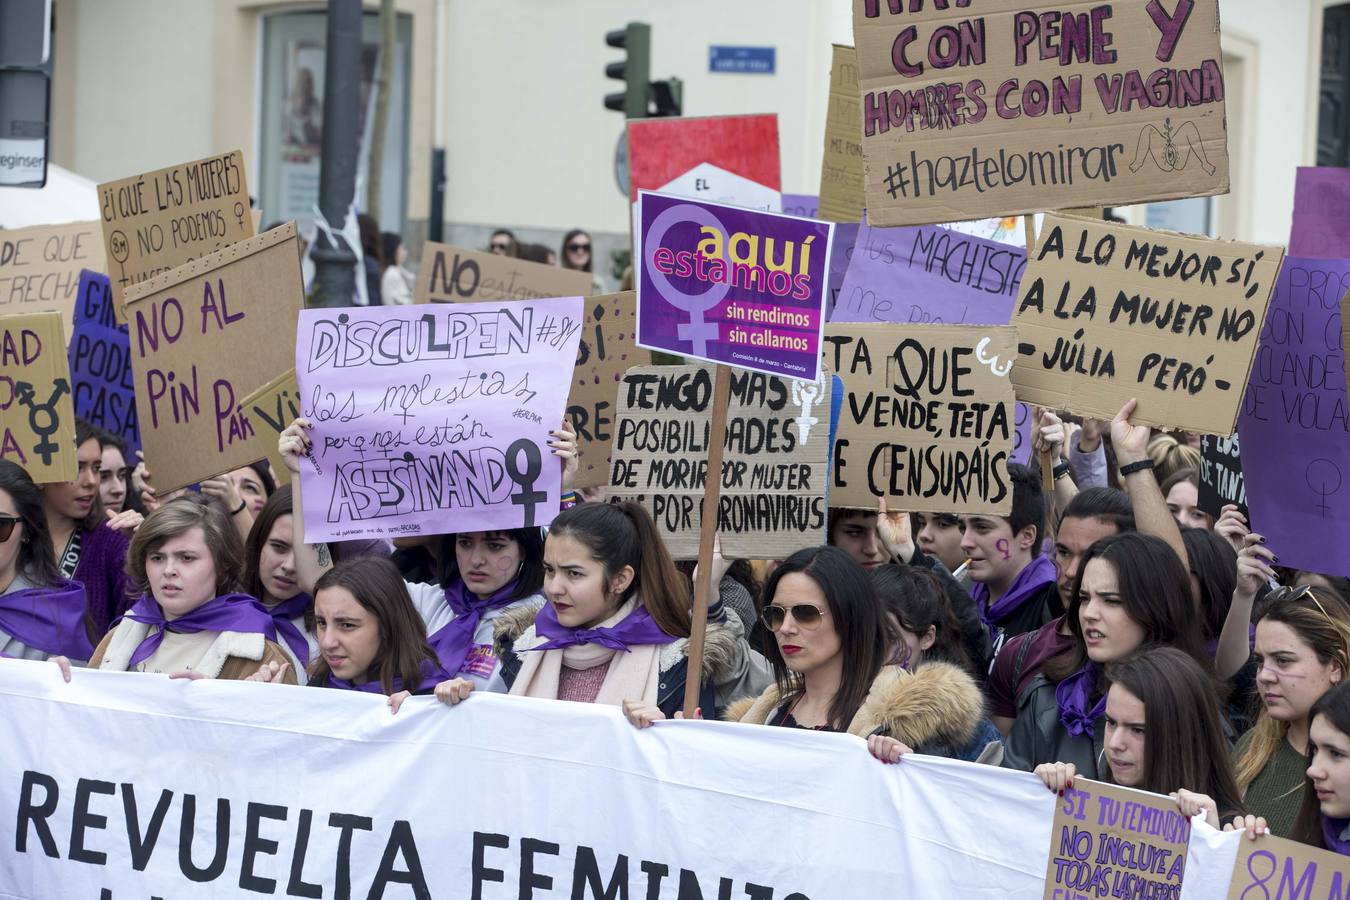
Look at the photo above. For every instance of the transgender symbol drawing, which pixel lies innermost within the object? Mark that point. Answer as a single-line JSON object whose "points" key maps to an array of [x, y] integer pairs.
{"points": [[697, 330], [1320, 475], [1170, 151], [807, 394]]}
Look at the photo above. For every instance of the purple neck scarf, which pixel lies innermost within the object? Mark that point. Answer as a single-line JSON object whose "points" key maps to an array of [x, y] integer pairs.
{"points": [[1073, 695], [637, 628], [282, 614], [1332, 831], [231, 612], [49, 619], [430, 673], [454, 641], [1034, 576]]}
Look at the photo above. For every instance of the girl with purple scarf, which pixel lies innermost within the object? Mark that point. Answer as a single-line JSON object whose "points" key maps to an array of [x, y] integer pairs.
{"points": [[1131, 593], [183, 562], [1324, 819], [42, 614]]}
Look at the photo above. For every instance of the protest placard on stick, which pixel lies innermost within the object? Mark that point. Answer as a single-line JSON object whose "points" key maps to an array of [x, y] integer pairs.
{"points": [[1109, 312], [432, 421], [1296, 870], [928, 417], [455, 275], [40, 268], [841, 167], [773, 472], [1321, 221], [162, 219], [270, 409], [718, 159], [1111, 841], [37, 417], [102, 381], [204, 336], [1221, 479], [980, 110]]}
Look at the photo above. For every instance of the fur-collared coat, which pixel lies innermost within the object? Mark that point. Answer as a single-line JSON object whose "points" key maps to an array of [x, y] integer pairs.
{"points": [[233, 656], [731, 670], [937, 709]]}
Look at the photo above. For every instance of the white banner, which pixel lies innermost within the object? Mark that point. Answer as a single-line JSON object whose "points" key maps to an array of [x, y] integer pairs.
{"points": [[124, 786]]}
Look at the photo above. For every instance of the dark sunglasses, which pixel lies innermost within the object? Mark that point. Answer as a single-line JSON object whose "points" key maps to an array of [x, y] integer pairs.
{"points": [[7, 524], [497, 246], [574, 247], [804, 614]]}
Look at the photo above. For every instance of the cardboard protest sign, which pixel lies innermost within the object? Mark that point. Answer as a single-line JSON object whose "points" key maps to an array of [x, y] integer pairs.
{"points": [[1294, 431], [1108, 312], [162, 219], [928, 274], [774, 460], [1111, 841], [1321, 225], [1292, 869], [204, 336], [608, 348], [453, 275], [928, 417], [841, 168], [37, 418], [40, 267], [270, 409], [100, 364], [736, 156], [731, 285], [841, 252], [969, 112], [429, 421], [1221, 479]]}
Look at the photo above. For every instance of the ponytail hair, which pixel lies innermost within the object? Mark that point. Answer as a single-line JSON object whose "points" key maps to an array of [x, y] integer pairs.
{"points": [[623, 534]]}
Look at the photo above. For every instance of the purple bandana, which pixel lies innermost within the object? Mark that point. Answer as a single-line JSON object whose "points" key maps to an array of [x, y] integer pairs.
{"points": [[49, 619], [282, 614], [454, 641], [231, 612], [1036, 575], [431, 675], [637, 628], [1332, 831], [1072, 694]]}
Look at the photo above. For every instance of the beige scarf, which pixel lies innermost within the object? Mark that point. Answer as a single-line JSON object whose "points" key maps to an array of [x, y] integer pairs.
{"points": [[633, 676]]}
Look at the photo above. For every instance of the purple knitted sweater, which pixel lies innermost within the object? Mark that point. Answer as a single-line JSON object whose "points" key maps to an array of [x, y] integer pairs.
{"points": [[102, 571]]}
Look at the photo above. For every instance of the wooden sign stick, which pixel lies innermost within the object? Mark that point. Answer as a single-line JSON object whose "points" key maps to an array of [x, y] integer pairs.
{"points": [[712, 498]]}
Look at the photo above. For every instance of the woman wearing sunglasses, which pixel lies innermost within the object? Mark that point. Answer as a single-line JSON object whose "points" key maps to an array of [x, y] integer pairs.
{"points": [[42, 614], [1302, 650], [829, 656]]}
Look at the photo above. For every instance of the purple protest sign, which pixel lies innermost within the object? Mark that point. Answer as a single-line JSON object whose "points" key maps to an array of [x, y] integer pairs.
{"points": [[1321, 226], [1295, 439], [929, 275], [841, 252], [805, 205], [433, 419], [731, 285], [100, 363]]}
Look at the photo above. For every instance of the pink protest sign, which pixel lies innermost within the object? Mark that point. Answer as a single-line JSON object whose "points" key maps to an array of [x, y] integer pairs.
{"points": [[433, 419]]}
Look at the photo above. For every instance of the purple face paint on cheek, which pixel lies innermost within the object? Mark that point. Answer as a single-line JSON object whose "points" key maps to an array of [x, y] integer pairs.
{"points": [[1002, 547]]}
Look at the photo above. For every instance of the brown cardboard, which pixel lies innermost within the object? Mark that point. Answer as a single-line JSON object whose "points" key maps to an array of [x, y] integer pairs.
{"points": [[956, 411], [452, 274], [270, 409], [608, 349], [37, 411], [974, 157], [841, 168], [1275, 867], [1066, 301], [162, 219], [238, 309], [1111, 841], [40, 268], [773, 479]]}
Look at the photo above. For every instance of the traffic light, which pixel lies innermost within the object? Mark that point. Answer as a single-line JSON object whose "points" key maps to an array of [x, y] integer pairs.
{"points": [[634, 72]]}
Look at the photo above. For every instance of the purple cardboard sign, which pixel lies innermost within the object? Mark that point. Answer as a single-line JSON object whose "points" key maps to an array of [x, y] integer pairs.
{"points": [[433, 419], [1295, 438], [805, 205], [929, 275], [841, 252], [1321, 226], [733, 286], [100, 364]]}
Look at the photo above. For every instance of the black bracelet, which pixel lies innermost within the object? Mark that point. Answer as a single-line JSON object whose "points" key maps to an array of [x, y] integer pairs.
{"points": [[242, 504], [1136, 467], [1061, 469]]}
